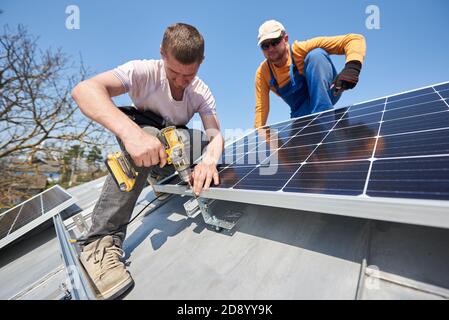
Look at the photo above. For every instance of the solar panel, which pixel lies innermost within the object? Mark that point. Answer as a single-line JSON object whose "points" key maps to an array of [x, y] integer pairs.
{"points": [[7, 220], [52, 199], [389, 154], [33, 212], [30, 210]]}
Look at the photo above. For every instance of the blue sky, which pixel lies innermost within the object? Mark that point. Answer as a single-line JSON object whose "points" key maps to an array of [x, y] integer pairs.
{"points": [[409, 50]]}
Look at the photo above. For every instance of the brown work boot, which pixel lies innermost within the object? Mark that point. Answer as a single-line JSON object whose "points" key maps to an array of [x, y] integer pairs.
{"points": [[101, 259]]}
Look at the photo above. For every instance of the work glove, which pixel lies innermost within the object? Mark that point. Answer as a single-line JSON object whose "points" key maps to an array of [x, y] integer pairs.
{"points": [[347, 78]]}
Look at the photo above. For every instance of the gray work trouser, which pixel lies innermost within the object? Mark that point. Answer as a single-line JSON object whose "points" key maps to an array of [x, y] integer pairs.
{"points": [[114, 207]]}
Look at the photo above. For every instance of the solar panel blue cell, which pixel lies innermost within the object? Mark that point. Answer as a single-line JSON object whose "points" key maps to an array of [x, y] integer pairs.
{"points": [[412, 101], [444, 86], [292, 155], [412, 94], [272, 144], [414, 144], [238, 149], [244, 148], [356, 110], [282, 124], [296, 124], [416, 123], [322, 123], [267, 179], [346, 150], [328, 117], [418, 178], [322, 127], [444, 94], [374, 103], [358, 131], [286, 133], [415, 110], [341, 178], [252, 158], [306, 139], [230, 175], [346, 122]]}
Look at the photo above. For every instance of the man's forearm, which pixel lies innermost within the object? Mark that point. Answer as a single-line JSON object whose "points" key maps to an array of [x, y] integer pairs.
{"points": [[261, 113], [95, 102], [214, 150]]}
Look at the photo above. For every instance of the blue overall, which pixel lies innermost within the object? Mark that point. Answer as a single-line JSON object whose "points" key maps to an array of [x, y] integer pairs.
{"points": [[308, 93]]}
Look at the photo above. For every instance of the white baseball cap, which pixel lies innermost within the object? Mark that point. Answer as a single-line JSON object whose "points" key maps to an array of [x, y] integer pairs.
{"points": [[270, 29]]}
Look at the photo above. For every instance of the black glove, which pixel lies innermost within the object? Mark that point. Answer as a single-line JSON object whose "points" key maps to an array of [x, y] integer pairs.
{"points": [[348, 77]]}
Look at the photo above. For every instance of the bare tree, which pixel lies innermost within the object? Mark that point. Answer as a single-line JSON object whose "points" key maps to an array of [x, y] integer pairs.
{"points": [[36, 108], [35, 100]]}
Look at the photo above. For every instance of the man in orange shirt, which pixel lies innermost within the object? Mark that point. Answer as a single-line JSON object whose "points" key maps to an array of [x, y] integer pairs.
{"points": [[303, 74]]}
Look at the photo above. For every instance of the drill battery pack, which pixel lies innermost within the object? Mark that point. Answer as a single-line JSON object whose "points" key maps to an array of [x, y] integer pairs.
{"points": [[122, 170]]}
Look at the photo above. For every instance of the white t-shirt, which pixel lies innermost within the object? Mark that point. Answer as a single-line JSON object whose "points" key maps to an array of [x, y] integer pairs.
{"points": [[148, 88]]}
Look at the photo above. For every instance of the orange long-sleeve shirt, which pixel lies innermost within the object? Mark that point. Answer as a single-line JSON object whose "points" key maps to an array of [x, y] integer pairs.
{"points": [[351, 45]]}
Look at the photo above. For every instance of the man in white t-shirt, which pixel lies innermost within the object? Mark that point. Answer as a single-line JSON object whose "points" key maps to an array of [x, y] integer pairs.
{"points": [[168, 91]]}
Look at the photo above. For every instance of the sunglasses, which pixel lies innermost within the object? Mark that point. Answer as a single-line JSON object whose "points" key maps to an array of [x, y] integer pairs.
{"points": [[273, 42]]}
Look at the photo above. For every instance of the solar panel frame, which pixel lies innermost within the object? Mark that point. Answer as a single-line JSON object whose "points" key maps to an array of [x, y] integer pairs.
{"points": [[407, 210], [23, 228]]}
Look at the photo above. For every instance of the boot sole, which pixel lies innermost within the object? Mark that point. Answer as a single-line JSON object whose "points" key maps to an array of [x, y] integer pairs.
{"points": [[118, 289]]}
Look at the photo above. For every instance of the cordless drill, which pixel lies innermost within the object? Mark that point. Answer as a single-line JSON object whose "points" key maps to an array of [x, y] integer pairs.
{"points": [[121, 167]]}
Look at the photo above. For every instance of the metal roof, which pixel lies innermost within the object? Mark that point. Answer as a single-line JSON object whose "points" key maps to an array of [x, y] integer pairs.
{"points": [[271, 253]]}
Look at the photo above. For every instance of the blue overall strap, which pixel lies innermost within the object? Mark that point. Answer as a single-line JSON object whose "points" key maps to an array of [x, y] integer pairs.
{"points": [[273, 81], [292, 67]]}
